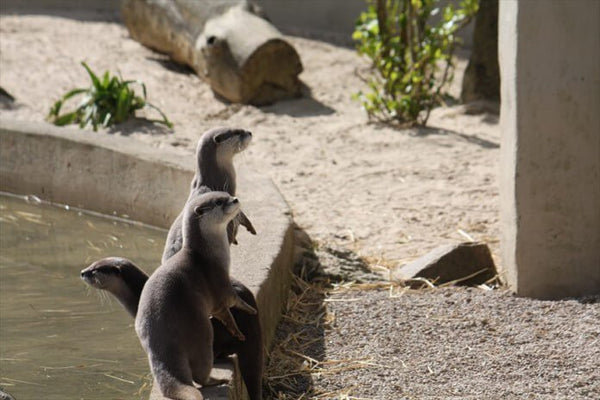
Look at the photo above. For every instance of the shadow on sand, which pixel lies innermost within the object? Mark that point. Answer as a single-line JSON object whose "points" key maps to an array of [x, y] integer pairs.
{"points": [[171, 65], [305, 106], [140, 125], [423, 131]]}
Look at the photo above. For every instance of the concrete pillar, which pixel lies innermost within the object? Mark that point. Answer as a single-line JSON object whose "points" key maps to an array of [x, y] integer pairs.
{"points": [[549, 55]]}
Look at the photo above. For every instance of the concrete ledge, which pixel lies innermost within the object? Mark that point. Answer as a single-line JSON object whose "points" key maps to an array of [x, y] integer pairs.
{"points": [[122, 176]]}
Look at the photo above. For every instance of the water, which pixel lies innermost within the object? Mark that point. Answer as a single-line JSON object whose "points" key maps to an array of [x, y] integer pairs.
{"points": [[60, 339]]}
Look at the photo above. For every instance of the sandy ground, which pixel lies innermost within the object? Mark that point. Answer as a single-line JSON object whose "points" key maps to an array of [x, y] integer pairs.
{"points": [[365, 194]]}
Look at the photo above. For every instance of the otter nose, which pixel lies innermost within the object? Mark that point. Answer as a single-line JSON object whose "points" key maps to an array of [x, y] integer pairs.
{"points": [[85, 273], [244, 133], [234, 200]]}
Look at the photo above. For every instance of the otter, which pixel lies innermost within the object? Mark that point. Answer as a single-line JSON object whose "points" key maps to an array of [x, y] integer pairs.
{"points": [[175, 305], [214, 172], [124, 280]]}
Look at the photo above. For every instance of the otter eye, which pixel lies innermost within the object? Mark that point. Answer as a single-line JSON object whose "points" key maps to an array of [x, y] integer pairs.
{"points": [[211, 40], [111, 270], [219, 202], [199, 211], [221, 137]]}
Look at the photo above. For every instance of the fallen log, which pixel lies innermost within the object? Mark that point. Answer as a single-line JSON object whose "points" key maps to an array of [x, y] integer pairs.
{"points": [[227, 42]]}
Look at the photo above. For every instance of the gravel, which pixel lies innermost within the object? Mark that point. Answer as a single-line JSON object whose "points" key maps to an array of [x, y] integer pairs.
{"points": [[462, 343]]}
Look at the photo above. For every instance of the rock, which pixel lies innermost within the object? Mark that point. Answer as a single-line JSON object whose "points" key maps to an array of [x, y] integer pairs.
{"points": [[229, 43], [452, 262]]}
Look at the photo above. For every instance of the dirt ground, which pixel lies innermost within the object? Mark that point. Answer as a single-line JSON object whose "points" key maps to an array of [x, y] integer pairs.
{"points": [[364, 194]]}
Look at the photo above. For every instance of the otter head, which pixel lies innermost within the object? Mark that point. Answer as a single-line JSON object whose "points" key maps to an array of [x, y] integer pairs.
{"points": [[104, 274], [223, 142], [118, 276], [214, 155], [208, 214], [213, 209]]}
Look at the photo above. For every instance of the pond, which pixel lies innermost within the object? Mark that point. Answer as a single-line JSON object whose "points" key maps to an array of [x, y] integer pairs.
{"points": [[60, 339]]}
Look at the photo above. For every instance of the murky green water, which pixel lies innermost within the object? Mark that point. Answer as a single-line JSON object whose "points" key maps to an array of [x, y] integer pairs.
{"points": [[58, 338]]}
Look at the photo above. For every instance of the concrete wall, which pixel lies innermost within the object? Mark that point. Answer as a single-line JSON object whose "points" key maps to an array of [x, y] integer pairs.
{"points": [[94, 172], [78, 9], [550, 157], [327, 20]]}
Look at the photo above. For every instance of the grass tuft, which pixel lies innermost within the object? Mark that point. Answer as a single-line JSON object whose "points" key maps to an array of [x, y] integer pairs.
{"points": [[110, 100]]}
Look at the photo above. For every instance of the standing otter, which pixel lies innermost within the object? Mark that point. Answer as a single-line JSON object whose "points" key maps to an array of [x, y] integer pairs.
{"points": [[214, 172], [172, 321], [125, 281]]}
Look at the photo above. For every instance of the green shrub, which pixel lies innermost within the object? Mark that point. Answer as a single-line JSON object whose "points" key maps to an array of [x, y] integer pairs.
{"points": [[411, 56], [110, 100]]}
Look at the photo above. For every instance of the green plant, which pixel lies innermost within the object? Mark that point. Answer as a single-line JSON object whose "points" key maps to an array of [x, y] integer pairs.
{"points": [[408, 51], [110, 100]]}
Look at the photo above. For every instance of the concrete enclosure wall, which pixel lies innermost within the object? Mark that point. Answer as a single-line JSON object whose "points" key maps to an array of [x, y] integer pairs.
{"points": [[82, 9], [94, 172], [328, 20], [550, 157]]}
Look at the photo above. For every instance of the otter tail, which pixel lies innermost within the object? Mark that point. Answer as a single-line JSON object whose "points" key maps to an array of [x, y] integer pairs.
{"points": [[174, 382]]}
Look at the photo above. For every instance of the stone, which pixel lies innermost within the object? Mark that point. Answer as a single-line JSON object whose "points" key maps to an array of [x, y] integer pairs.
{"points": [[450, 263]]}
